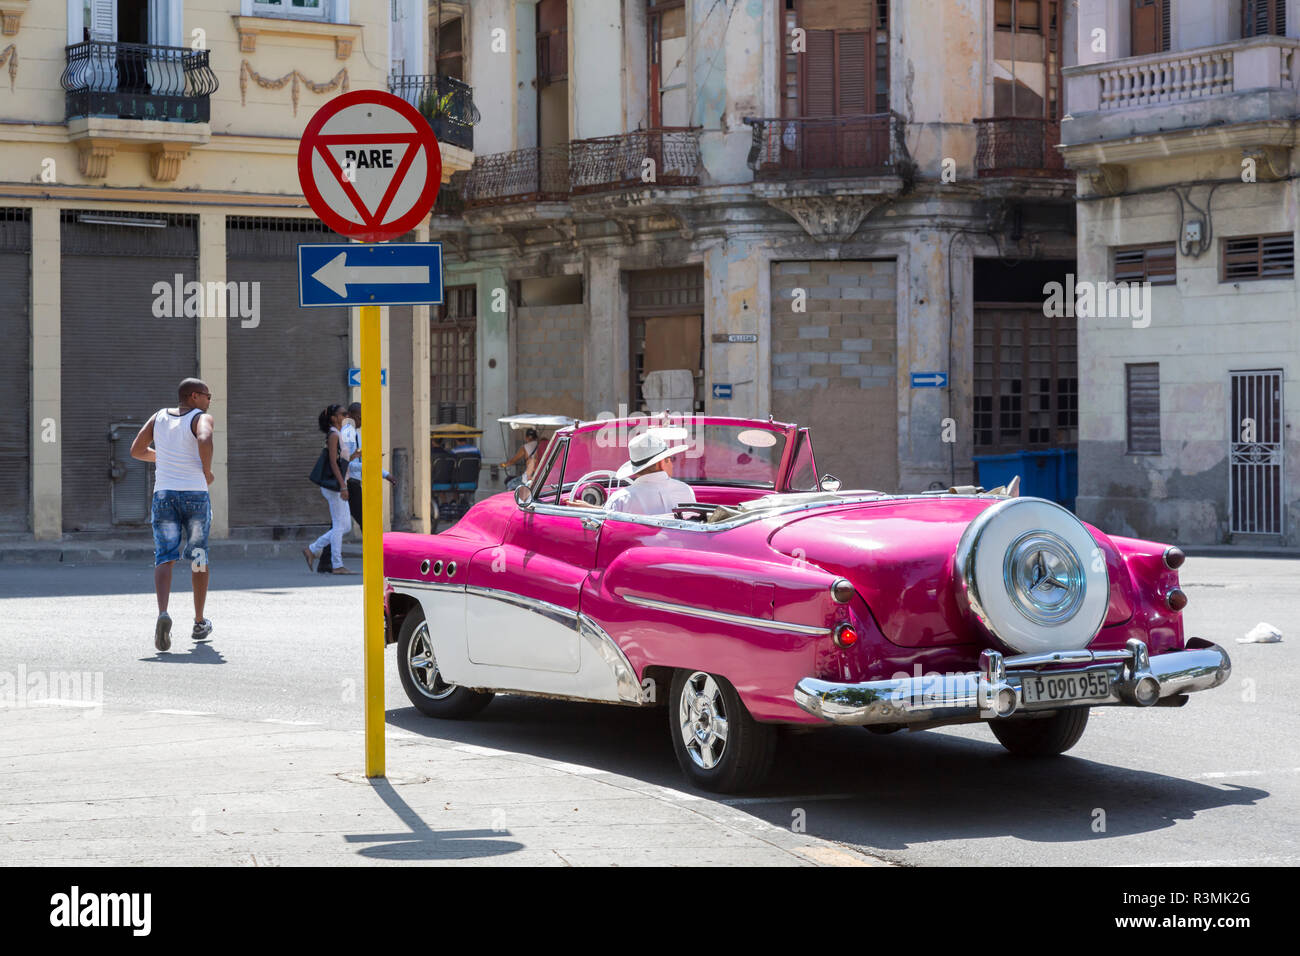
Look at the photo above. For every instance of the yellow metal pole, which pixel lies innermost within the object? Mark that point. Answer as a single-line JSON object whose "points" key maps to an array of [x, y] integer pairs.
{"points": [[372, 539]]}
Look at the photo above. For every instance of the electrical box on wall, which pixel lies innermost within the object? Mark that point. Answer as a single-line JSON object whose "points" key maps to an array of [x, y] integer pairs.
{"points": [[1192, 230]]}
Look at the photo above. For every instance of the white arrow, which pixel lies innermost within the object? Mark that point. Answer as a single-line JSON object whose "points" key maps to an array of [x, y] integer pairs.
{"points": [[936, 379], [336, 274]]}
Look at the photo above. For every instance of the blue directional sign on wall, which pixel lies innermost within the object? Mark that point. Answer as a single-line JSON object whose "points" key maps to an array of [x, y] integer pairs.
{"points": [[354, 377], [929, 379], [385, 273]]}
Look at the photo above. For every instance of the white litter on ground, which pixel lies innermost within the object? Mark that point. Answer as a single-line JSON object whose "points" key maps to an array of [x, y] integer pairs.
{"points": [[1261, 633]]}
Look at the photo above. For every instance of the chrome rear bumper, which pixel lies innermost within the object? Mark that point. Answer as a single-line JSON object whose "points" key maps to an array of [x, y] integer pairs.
{"points": [[1135, 679]]}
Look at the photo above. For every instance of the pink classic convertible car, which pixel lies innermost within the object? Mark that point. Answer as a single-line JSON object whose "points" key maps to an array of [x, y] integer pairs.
{"points": [[777, 599]]}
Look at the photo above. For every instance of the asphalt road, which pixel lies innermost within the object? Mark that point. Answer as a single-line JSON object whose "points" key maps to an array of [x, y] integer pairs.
{"points": [[1215, 782]]}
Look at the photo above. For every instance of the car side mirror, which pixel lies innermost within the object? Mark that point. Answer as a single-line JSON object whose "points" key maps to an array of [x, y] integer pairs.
{"points": [[524, 497], [830, 483]]}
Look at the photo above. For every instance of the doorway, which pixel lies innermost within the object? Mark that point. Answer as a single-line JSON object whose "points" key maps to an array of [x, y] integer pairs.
{"points": [[1150, 23]]}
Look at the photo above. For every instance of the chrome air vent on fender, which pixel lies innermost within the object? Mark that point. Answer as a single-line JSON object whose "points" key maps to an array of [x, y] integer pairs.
{"points": [[1034, 577]]}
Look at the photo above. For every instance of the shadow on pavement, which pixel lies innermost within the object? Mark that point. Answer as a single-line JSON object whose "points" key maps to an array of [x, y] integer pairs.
{"points": [[422, 842], [198, 654], [886, 792]]}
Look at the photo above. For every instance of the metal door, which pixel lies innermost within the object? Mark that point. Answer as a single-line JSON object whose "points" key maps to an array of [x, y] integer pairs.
{"points": [[15, 376], [130, 491], [1255, 452]]}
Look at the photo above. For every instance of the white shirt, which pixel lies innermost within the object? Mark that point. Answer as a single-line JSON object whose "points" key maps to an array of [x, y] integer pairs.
{"points": [[177, 465], [350, 441], [653, 493]]}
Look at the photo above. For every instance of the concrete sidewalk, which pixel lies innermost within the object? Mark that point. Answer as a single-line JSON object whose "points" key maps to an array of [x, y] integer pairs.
{"points": [[75, 550], [87, 786]]}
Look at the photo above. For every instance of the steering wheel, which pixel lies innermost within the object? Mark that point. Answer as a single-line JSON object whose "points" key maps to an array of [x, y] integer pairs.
{"points": [[586, 489], [699, 508]]}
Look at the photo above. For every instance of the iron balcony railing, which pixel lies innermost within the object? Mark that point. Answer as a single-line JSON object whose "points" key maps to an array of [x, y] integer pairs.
{"points": [[446, 102], [138, 81], [619, 162], [603, 163], [804, 146], [1018, 146], [537, 174]]}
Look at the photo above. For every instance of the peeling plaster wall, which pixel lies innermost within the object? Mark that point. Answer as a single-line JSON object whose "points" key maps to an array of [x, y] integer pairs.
{"points": [[1200, 330], [493, 75], [938, 79], [595, 48]]}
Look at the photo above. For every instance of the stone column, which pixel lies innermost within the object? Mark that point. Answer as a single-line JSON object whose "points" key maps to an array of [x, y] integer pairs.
{"points": [[46, 379], [737, 289], [606, 380], [492, 351], [212, 363]]}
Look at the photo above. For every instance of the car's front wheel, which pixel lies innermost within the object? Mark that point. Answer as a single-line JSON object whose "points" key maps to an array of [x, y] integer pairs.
{"points": [[719, 746], [1042, 736], [431, 695]]}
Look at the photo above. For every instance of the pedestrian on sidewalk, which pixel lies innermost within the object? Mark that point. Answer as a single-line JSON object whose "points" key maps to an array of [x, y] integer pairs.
{"points": [[337, 498], [350, 442], [180, 509]]}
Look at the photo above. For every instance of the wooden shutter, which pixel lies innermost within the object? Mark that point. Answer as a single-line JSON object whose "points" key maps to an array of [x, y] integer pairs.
{"points": [[103, 20], [1263, 18], [1142, 383], [819, 74], [853, 59], [1151, 26]]}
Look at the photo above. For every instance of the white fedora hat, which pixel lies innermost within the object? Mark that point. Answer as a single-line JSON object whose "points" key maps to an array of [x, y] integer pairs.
{"points": [[645, 450]]}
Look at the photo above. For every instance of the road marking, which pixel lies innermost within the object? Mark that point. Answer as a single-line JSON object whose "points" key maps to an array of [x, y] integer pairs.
{"points": [[574, 768], [481, 751], [1242, 773], [64, 702], [182, 713]]}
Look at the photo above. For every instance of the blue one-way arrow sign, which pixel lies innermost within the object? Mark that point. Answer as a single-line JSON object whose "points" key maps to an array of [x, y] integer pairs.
{"points": [[390, 273], [929, 379], [354, 377]]}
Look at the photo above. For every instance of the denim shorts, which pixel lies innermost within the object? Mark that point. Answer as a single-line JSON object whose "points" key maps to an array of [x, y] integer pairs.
{"points": [[177, 514]]}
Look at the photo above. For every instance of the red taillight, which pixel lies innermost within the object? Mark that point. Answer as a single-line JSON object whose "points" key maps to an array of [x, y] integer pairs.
{"points": [[845, 635]]}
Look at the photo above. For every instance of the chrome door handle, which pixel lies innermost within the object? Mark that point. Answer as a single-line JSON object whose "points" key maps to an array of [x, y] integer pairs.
{"points": [[590, 524]]}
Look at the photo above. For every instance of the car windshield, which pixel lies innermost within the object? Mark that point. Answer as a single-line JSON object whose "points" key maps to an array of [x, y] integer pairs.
{"points": [[742, 455]]}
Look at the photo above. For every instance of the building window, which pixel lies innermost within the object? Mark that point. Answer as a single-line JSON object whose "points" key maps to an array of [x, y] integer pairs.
{"points": [[1151, 23], [845, 71], [290, 8], [1026, 380], [1019, 15], [1258, 257], [1142, 407], [552, 41], [1154, 264], [1263, 18], [452, 356], [446, 47]]}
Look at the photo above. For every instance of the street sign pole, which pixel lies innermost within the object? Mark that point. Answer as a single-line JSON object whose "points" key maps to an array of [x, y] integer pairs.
{"points": [[372, 544], [370, 167]]}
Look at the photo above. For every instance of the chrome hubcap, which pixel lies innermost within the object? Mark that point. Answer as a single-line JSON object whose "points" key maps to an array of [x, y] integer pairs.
{"points": [[422, 667], [702, 717]]}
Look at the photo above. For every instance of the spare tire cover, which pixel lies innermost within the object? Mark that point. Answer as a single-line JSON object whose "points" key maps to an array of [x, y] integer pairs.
{"points": [[1034, 577]]}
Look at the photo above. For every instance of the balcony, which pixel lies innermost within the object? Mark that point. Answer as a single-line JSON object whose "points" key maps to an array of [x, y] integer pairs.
{"points": [[1181, 95], [1016, 146], [537, 174], [618, 162], [447, 103], [138, 81], [824, 146]]}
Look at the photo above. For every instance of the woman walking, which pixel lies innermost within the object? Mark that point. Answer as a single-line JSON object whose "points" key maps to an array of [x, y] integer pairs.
{"points": [[340, 518]]}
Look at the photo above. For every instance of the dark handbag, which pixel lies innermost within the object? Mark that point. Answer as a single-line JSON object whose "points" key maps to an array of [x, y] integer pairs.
{"points": [[323, 475]]}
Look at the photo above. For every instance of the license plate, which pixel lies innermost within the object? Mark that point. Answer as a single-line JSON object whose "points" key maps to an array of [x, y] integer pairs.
{"points": [[1090, 686]]}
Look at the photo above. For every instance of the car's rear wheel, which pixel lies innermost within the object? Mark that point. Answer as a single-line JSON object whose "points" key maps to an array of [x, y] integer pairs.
{"points": [[1042, 736], [431, 695], [719, 746]]}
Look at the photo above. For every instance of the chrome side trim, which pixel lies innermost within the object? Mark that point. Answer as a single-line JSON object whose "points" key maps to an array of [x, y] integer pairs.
{"points": [[555, 612], [407, 583], [742, 619], [938, 697], [629, 689]]}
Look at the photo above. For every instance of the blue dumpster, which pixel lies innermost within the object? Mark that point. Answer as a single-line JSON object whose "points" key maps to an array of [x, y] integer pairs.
{"points": [[1051, 474]]}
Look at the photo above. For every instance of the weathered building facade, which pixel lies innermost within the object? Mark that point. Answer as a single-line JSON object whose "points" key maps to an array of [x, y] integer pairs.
{"points": [[148, 230], [1182, 130], [810, 208]]}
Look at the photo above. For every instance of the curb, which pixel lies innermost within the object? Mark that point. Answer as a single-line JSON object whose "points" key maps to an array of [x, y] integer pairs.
{"points": [[112, 552]]}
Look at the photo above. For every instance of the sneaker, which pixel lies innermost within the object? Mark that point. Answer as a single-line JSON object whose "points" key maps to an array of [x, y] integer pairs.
{"points": [[162, 632], [202, 630]]}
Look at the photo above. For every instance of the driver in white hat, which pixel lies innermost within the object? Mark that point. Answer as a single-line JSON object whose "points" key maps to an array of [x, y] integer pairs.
{"points": [[654, 491]]}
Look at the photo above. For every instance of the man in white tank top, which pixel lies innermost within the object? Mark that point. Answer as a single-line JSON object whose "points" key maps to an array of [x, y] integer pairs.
{"points": [[182, 454]]}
